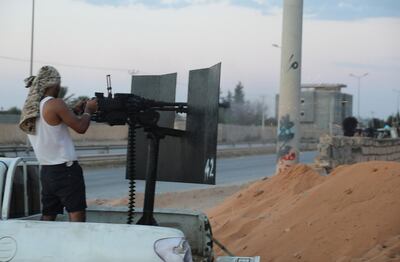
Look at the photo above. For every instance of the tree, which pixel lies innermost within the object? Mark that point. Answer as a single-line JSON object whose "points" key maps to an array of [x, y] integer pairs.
{"points": [[12, 111], [225, 111], [70, 100], [238, 96], [229, 97], [242, 112], [376, 123], [74, 100], [63, 94], [393, 120], [271, 121], [239, 110]]}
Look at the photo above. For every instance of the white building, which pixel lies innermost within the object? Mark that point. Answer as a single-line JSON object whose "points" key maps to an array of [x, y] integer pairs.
{"points": [[324, 106]]}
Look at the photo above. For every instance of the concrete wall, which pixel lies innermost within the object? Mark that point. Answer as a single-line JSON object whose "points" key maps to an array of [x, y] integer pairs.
{"points": [[339, 150], [235, 133], [9, 118], [10, 134]]}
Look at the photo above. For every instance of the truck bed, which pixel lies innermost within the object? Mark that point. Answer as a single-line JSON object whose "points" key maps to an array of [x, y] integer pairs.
{"points": [[194, 225]]}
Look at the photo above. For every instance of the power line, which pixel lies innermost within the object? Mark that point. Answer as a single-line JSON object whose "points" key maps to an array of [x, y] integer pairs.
{"points": [[70, 65]]}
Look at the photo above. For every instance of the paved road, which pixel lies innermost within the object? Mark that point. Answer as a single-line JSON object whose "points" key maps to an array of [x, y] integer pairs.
{"points": [[110, 182]]}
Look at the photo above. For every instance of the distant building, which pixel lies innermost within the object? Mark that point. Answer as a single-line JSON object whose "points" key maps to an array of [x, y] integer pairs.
{"points": [[324, 106]]}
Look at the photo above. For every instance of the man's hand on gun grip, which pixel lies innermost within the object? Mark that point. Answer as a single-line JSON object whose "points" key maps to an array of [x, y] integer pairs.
{"points": [[91, 106], [79, 108]]}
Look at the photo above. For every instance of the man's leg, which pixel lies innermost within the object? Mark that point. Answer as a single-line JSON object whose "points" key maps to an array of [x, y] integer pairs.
{"points": [[51, 205], [78, 216], [75, 194]]}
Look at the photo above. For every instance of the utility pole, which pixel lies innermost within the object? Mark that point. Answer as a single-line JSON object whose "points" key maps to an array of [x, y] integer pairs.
{"points": [[358, 91], [32, 34], [290, 83]]}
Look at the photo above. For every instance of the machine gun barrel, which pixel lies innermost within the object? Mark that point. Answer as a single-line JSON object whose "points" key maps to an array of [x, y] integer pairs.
{"points": [[119, 109], [177, 107]]}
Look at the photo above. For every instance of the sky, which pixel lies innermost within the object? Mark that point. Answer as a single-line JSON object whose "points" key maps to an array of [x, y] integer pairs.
{"points": [[88, 39]]}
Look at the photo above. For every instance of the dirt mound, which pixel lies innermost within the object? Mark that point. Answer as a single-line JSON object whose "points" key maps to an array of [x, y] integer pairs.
{"points": [[351, 215]]}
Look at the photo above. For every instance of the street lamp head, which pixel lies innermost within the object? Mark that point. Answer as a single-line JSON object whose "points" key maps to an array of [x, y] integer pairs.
{"points": [[358, 76]]}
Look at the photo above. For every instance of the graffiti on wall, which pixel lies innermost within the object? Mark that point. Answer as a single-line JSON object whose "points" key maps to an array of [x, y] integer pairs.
{"points": [[293, 65], [285, 134]]}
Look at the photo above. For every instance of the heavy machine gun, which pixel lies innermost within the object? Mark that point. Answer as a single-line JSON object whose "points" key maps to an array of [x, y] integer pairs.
{"points": [[138, 112], [125, 108]]}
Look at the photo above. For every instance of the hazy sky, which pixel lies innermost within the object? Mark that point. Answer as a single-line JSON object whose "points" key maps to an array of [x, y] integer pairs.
{"points": [[87, 39]]}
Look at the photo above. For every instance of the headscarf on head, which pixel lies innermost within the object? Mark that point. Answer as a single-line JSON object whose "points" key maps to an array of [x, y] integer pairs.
{"points": [[47, 76]]}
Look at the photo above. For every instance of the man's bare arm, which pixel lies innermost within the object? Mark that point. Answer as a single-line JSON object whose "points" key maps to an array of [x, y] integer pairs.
{"points": [[78, 124]]}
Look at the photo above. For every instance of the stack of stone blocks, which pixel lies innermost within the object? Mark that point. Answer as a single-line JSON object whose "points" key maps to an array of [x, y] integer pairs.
{"points": [[334, 151]]}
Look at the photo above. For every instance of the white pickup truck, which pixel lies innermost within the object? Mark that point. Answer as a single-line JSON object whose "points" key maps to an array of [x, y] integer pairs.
{"points": [[181, 236]]}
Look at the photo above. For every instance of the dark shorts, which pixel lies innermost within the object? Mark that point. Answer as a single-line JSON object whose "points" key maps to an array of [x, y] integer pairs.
{"points": [[62, 186]]}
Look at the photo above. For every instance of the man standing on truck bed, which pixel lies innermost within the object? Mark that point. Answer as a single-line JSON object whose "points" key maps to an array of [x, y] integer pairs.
{"points": [[46, 118]]}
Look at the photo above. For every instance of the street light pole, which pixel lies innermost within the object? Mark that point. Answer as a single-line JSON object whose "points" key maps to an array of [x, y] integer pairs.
{"points": [[32, 34], [263, 116], [27, 143], [398, 104], [358, 91]]}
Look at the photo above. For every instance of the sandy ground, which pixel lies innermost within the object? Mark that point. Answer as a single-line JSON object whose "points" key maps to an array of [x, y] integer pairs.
{"points": [[353, 214], [199, 199]]}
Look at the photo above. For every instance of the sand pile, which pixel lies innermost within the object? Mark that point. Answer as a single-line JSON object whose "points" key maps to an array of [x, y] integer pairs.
{"points": [[351, 215]]}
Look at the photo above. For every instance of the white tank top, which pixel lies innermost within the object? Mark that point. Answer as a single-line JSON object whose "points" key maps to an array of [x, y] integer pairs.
{"points": [[52, 144]]}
